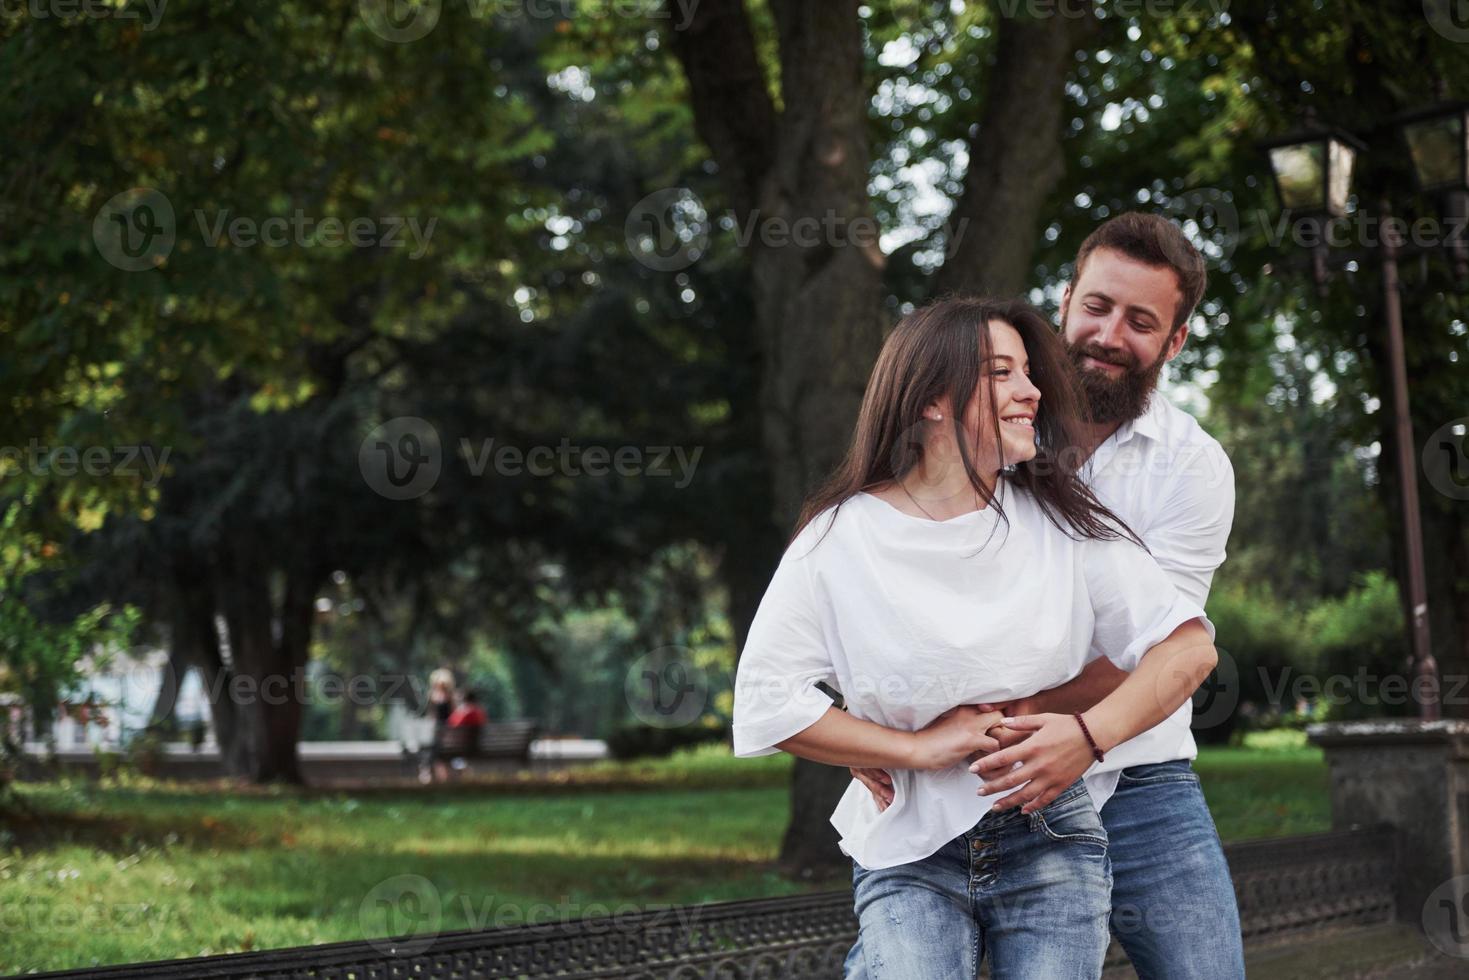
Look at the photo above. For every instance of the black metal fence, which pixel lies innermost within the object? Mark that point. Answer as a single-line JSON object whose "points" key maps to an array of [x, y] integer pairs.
{"points": [[1285, 885]]}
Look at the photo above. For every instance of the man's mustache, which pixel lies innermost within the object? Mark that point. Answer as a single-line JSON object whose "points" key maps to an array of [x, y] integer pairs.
{"points": [[1119, 358]]}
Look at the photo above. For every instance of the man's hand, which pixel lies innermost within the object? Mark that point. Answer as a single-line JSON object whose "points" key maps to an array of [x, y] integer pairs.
{"points": [[879, 783], [1011, 709], [1053, 757]]}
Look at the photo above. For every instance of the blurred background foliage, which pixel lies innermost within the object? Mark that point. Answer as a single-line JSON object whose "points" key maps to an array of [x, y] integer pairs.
{"points": [[529, 318]]}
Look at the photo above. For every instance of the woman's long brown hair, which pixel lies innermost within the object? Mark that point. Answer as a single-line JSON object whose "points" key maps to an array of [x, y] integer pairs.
{"points": [[941, 350]]}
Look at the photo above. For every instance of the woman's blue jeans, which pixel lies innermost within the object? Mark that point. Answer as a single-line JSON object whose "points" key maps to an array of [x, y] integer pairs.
{"points": [[1030, 892]]}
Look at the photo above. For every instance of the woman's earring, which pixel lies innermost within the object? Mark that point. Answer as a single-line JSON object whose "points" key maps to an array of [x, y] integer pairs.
{"points": [[938, 418]]}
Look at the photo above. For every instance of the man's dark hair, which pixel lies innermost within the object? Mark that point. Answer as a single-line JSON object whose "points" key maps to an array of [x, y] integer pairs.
{"points": [[471, 697], [1152, 240]]}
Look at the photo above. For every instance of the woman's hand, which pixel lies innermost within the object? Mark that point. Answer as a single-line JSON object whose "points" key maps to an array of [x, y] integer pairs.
{"points": [[1052, 757], [955, 736], [879, 783]]}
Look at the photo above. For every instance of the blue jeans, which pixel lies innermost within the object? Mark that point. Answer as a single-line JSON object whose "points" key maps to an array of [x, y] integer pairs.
{"points": [[1030, 891], [1173, 905]]}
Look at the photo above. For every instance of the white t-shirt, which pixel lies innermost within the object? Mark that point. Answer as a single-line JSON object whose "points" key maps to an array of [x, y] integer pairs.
{"points": [[908, 617], [1174, 486]]}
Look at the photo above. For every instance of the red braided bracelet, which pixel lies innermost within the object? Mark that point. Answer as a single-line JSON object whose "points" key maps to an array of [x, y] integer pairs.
{"points": [[1089, 740]]}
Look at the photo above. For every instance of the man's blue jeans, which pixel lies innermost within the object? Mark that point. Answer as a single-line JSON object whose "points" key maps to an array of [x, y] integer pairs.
{"points": [[1030, 892], [1173, 905]]}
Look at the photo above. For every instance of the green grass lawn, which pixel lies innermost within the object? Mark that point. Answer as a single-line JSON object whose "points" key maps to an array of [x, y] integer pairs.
{"points": [[139, 870]]}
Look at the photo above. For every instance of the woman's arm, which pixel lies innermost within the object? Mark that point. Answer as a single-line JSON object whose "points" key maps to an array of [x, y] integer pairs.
{"points": [[1057, 752], [838, 739]]}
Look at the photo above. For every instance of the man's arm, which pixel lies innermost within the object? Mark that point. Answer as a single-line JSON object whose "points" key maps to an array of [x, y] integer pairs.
{"points": [[1084, 691], [1187, 538]]}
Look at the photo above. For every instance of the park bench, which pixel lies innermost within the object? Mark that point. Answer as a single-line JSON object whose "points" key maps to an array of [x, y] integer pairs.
{"points": [[1287, 887], [502, 741]]}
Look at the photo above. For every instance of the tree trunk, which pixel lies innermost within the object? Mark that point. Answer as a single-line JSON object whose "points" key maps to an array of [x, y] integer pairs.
{"points": [[167, 698], [1015, 156], [263, 690]]}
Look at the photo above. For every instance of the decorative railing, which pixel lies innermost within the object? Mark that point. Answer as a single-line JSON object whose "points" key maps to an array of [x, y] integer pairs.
{"points": [[1285, 886]]}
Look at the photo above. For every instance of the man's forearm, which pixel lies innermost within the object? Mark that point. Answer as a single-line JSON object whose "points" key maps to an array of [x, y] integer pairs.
{"points": [[1084, 691], [838, 739]]}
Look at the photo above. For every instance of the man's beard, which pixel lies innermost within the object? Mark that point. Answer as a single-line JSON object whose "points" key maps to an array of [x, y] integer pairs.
{"points": [[1120, 399]]}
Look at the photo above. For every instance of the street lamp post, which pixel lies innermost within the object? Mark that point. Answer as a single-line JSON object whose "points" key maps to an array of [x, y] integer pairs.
{"points": [[1313, 173]]}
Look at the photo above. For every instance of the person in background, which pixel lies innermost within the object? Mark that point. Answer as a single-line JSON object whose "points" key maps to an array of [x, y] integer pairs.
{"points": [[469, 714], [440, 707]]}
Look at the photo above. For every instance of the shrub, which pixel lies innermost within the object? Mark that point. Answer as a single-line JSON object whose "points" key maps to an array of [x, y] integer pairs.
{"points": [[645, 741]]}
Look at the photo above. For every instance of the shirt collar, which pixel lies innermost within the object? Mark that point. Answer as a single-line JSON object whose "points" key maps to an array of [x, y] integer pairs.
{"points": [[1149, 425]]}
